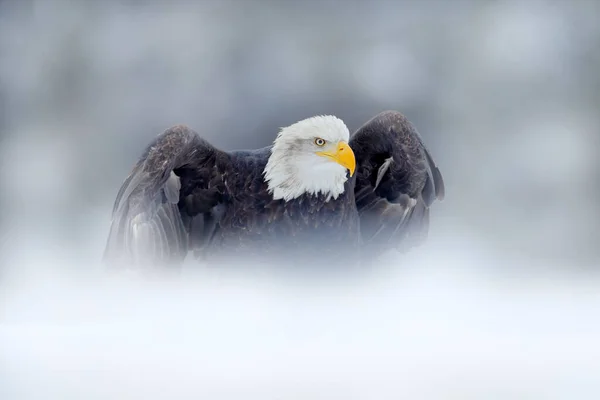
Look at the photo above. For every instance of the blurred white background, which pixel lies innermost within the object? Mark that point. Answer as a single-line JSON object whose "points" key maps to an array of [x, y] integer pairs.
{"points": [[501, 303]]}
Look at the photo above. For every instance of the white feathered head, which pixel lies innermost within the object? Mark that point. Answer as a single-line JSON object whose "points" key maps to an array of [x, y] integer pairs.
{"points": [[311, 156]]}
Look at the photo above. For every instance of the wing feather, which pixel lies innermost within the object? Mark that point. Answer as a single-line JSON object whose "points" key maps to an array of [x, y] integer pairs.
{"points": [[396, 183], [163, 198]]}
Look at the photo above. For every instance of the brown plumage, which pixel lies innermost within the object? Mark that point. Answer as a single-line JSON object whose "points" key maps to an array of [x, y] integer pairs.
{"points": [[186, 195]]}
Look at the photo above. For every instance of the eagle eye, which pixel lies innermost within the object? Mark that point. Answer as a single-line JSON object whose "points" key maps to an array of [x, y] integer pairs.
{"points": [[320, 142]]}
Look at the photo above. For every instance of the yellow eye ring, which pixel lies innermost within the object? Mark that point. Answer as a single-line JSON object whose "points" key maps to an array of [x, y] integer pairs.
{"points": [[320, 142]]}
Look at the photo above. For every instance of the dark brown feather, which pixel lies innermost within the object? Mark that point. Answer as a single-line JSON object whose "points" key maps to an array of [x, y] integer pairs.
{"points": [[184, 195], [223, 211], [396, 183]]}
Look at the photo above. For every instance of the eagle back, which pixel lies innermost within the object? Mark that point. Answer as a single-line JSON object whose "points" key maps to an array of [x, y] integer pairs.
{"points": [[254, 223]]}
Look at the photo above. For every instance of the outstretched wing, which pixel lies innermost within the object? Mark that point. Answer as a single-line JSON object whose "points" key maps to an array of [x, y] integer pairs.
{"points": [[396, 183], [169, 204]]}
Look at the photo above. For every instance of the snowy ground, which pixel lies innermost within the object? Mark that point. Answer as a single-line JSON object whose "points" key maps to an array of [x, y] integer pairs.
{"points": [[446, 327], [505, 93]]}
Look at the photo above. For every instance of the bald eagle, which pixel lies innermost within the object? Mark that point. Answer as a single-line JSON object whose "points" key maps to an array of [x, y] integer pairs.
{"points": [[316, 195]]}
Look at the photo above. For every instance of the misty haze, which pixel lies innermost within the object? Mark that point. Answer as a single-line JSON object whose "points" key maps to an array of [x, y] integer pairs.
{"points": [[500, 302]]}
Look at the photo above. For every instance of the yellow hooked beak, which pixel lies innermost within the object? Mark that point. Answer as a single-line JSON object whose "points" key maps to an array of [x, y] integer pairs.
{"points": [[342, 155]]}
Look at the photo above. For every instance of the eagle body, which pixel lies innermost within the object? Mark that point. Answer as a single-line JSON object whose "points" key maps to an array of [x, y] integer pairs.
{"points": [[257, 227], [297, 201]]}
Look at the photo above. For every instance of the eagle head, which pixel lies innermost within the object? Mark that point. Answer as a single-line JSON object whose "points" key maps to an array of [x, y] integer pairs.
{"points": [[311, 156]]}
